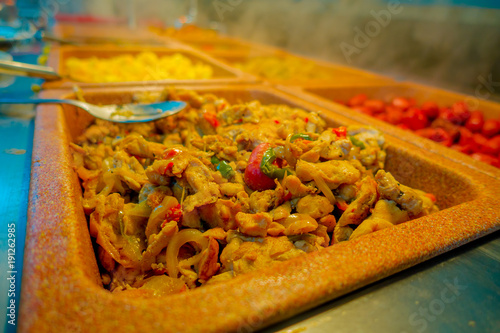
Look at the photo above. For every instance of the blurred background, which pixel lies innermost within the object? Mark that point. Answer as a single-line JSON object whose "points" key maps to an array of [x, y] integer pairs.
{"points": [[450, 44]]}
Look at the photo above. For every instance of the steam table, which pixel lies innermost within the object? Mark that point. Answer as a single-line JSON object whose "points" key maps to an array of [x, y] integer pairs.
{"points": [[456, 292]]}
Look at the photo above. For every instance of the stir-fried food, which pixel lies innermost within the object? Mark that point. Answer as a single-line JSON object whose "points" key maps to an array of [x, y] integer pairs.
{"points": [[220, 190]]}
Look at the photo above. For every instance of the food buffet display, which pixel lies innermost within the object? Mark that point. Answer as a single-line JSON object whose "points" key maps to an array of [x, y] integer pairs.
{"points": [[268, 186]]}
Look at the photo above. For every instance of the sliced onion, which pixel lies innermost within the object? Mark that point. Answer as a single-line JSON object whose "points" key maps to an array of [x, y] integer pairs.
{"points": [[179, 239], [323, 187]]}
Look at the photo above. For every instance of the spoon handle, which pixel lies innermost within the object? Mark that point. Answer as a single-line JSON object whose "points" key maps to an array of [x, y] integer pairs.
{"points": [[22, 69]]}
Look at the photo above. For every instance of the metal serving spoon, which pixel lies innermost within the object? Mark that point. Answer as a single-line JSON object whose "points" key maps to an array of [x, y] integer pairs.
{"points": [[127, 113], [22, 69]]}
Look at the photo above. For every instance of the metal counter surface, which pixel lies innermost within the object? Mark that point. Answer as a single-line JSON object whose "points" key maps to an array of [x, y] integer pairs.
{"points": [[456, 292], [16, 143]]}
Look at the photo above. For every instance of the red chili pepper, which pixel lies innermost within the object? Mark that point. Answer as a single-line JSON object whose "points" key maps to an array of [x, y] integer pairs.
{"points": [[276, 121], [169, 167], [221, 106], [306, 120], [341, 132], [160, 271], [211, 118], [342, 205], [287, 197], [431, 196], [173, 214], [171, 153], [254, 177]]}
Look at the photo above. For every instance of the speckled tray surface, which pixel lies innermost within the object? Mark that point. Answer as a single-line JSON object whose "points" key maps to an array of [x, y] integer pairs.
{"points": [[62, 291], [222, 73], [326, 95]]}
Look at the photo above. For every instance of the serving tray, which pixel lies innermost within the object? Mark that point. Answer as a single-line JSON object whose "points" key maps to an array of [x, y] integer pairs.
{"points": [[62, 290], [336, 73], [325, 95], [222, 73]]}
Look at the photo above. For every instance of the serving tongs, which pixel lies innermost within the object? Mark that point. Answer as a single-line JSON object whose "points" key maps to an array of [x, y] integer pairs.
{"points": [[22, 69]]}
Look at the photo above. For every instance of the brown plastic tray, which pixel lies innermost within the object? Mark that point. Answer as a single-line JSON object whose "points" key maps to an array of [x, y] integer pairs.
{"points": [[326, 95], [222, 45], [58, 56], [338, 74], [61, 288], [91, 32]]}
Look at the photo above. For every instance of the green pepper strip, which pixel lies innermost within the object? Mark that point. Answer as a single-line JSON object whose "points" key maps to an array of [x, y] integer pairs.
{"points": [[300, 136], [357, 142], [224, 167], [269, 169]]}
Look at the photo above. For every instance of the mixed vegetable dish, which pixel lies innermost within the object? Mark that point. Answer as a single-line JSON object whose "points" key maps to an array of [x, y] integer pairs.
{"points": [[223, 189]]}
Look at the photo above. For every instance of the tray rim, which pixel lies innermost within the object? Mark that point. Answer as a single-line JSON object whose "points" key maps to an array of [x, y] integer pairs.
{"points": [[300, 284]]}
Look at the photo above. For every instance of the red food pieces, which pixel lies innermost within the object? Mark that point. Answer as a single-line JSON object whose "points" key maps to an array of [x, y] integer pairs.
{"points": [[430, 109], [461, 111], [394, 115], [211, 118], [491, 127], [341, 131], [401, 103], [485, 158], [454, 126], [449, 115], [437, 135], [376, 105], [452, 129], [357, 100], [465, 137], [492, 146], [254, 177], [475, 122], [415, 119]]}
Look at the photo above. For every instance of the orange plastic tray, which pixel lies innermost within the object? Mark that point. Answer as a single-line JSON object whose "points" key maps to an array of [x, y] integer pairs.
{"points": [[340, 75], [326, 95], [58, 56], [62, 291]]}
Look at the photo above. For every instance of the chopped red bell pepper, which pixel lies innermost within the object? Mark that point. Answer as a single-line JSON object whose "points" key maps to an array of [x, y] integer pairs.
{"points": [[341, 132]]}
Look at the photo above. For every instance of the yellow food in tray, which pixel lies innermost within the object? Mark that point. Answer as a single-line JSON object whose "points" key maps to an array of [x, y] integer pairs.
{"points": [[145, 66], [220, 190], [282, 68]]}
